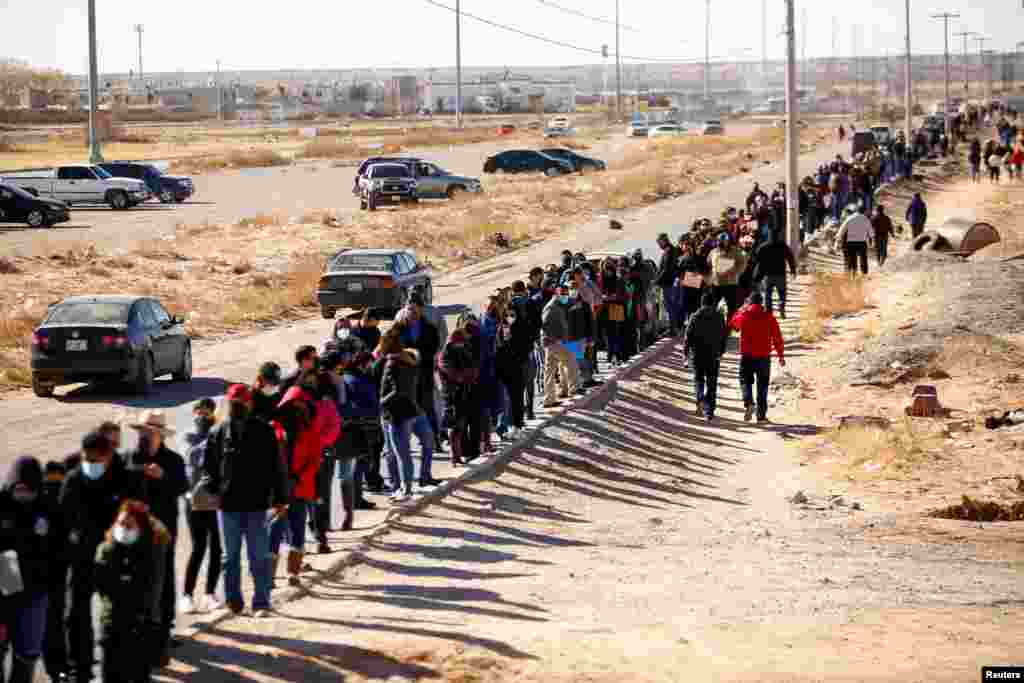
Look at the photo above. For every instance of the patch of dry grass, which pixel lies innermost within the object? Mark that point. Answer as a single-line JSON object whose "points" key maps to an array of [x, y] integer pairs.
{"points": [[263, 220], [831, 294], [268, 304], [331, 148], [257, 157], [873, 452], [15, 332]]}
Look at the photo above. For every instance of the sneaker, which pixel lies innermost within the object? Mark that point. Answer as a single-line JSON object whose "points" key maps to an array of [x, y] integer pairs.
{"points": [[365, 505], [213, 603], [263, 613], [710, 418], [323, 549], [430, 481], [748, 412], [186, 606]]}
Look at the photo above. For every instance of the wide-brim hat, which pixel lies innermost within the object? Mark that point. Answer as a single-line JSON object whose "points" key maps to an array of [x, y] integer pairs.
{"points": [[153, 419]]}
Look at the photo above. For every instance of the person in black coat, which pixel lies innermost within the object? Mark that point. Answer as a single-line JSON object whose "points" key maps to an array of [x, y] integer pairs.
{"points": [[164, 482], [666, 279], [705, 342], [55, 643], [422, 335], [89, 500], [29, 527]]}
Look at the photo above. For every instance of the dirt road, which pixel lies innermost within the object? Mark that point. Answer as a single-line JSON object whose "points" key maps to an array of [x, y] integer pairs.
{"points": [[632, 542]]}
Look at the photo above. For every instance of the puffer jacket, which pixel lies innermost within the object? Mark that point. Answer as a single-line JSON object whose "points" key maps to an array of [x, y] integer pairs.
{"points": [[307, 440], [129, 580], [759, 332], [706, 334], [399, 384]]}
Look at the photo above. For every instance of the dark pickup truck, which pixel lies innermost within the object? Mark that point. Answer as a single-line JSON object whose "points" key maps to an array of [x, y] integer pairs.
{"points": [[168, 188], [386, 183]]}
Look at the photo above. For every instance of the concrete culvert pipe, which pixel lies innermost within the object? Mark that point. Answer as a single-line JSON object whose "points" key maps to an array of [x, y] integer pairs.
{"points": [[959, 236]]}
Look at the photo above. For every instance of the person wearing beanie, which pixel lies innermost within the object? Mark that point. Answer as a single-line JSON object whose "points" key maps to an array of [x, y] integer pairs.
{"points": [[759, 336], [704, 342]]}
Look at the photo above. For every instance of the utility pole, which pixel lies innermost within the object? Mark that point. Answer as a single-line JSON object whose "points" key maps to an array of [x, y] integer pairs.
{"points": [[138, 29], [792, 141], [220, 103], [804, 80], [981, 59], [458, 64], [835, 48], [707, 51], [764, 41], [618, 66], [907, 86], [95, 155], [856, 69], [967, 67], [604, 89], [1016, 63], [946, 16]]}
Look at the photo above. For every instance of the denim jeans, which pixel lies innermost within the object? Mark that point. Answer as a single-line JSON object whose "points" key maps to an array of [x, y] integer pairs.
{"points": [[25, 619], [772, 284], [399, 438], [759, 370], [705, 382], [671, 298], [291, 528], [252, 527]]}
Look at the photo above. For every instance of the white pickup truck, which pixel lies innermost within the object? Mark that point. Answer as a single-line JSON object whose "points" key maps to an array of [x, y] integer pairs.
{"points": [[81, 184]]}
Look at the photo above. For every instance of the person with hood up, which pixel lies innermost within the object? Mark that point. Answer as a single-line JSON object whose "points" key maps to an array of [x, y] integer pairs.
{"points": [[727, 265], [244, 467], [361, 436], [129, 570], [202, 523], [759, 336], [402, 415], [666, 280], [55, 642], [311, 425], [92, 493], [559, 362], [30, 546], [705, 342], [459, 373], [917, 215]]}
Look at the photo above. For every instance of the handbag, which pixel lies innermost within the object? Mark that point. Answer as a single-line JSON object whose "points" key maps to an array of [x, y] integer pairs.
{"points": [[203, 496], [616, 313], [693, 280]]}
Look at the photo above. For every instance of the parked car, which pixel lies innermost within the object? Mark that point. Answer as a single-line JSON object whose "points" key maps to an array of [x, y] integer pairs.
{"points": [[372, 278], [361, 171], [559, 132], [386, 183], [712, 127], [109, 337], [432, 181], [657, 317], [638, 129], [579, 162], [167, 188], [19, 206], [560, 122], [526, 161], [82, 184], [666, 131]]}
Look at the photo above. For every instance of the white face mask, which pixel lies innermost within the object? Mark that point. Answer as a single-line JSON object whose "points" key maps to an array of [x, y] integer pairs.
{"points": [[125, 536], [268, 390], [344, 333]]}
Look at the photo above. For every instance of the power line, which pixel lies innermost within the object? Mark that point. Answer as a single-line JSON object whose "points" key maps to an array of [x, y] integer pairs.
{"points": [[552, 41], [577, 13]]}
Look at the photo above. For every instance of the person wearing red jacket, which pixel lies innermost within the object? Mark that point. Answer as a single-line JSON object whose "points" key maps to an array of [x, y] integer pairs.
{"points": [[309, 426], [759, 335]]}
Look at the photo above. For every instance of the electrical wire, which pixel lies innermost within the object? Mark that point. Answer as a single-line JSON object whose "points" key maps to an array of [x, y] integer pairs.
{"points": [[577, 13], [552, 41]]}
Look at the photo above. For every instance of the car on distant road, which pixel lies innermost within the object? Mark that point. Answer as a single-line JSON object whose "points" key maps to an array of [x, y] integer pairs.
{"points": [[666, 130], [638, 129], [19, 206], [712, 127], [559, 132], [560, 122], [167, 188], [80, 184], [109, 337], [580, 163], [372, 278], [384, 183], [526, 161]]}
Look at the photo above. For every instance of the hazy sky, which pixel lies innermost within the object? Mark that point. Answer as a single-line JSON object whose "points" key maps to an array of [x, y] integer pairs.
{"points": [[193, 34]]}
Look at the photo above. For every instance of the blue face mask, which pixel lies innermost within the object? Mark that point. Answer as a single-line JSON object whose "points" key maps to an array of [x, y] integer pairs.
{"points": [[93, 470], [563, 298]]}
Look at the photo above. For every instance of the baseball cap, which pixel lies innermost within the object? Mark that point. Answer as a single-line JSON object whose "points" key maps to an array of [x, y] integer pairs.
{"points": [[239, 392]]}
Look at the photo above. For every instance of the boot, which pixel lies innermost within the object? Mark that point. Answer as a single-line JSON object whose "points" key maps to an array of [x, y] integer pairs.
{"points": [[485, 439], [294, 566], [275, 562], [22, 670], [455, 439], [348, 501]]}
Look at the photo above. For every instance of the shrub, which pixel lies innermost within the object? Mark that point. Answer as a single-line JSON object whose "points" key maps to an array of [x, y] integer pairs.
{"points": [[831, 294], [331, 148]]}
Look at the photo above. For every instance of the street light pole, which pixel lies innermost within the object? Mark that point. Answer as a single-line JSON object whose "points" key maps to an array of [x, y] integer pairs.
{"points": [[967, 70], [946, 16], [138, 29], [792, 142], [618, 66], [907, 85], [95, 154], [458, 64], [707, 51], [220, 103]]}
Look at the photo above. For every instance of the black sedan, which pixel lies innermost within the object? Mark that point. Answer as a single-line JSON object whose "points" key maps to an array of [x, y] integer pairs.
{"points": [[579, 162], [19, 206], [169, 188], [527, 161], [110, 337], [372, 278]]}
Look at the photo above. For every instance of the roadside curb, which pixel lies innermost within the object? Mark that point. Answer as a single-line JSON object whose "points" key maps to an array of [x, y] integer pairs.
{"points": [[488, 469]]}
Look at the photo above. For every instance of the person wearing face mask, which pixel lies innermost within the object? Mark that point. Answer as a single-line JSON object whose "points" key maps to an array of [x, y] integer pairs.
{"points": [[244, 465], [582, 330], [361, 435], [30, 540], [266, 391], [164, 483], [89, 500], [425, 331], [129, 570], [202, 524], [560, 363]]}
